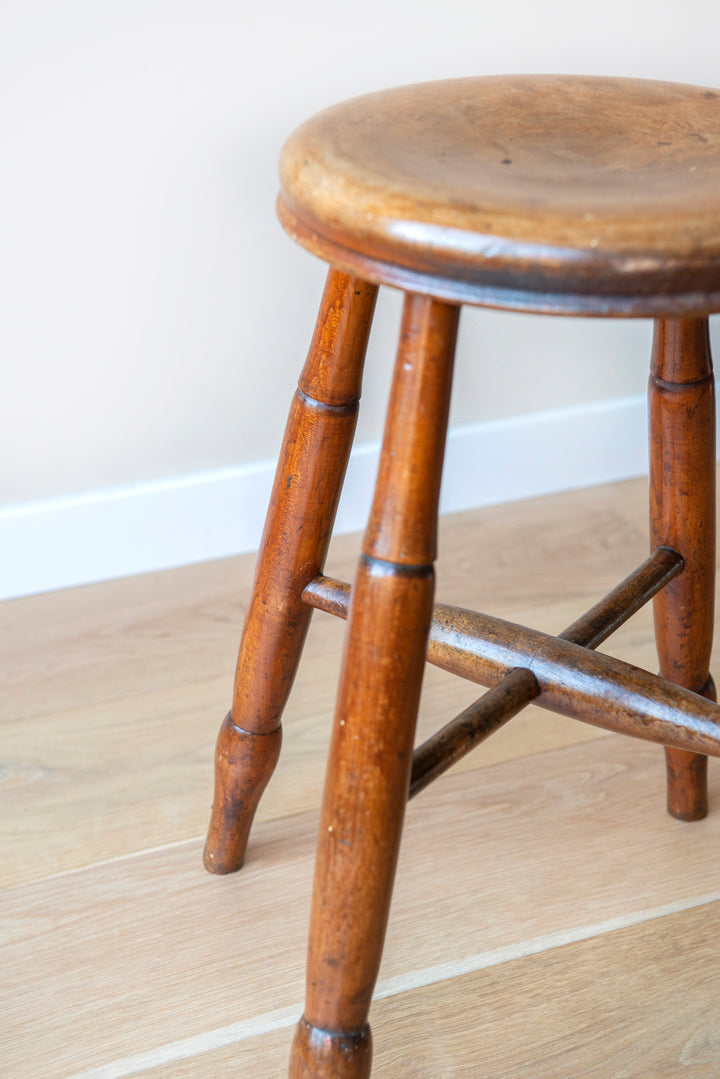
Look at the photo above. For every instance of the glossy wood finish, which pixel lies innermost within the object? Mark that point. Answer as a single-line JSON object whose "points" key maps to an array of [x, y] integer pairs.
{"points": [[549, 193], [590, 630], [570, 678], [682, 514], [370, 758], [519, 687], [308, 481]]}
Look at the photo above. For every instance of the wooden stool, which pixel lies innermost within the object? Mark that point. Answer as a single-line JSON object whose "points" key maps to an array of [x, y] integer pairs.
{"points": [[546, 194]]}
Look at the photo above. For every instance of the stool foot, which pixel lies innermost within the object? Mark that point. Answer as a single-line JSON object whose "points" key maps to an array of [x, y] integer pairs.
{"points": [[244, 763], [321, 1054], [686, 785], [687, 793]]}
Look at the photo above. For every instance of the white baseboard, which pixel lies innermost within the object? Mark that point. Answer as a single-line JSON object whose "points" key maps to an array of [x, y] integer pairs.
{"points": [[115, 533]]}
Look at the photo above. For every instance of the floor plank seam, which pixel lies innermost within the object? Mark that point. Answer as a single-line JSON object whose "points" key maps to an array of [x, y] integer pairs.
{"points": [[103, 862], [199, 840], [281, 1018]]}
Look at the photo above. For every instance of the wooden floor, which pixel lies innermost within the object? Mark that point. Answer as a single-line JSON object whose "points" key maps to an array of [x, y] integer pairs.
{"points": [[550, 920]]}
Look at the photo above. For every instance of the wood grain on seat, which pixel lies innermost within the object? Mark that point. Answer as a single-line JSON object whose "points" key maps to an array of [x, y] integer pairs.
{"points": [[561, 193]]}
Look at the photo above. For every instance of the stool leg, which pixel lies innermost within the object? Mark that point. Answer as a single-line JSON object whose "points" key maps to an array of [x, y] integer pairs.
{"points": [[308, 481], [682, 515], [372, 741]]}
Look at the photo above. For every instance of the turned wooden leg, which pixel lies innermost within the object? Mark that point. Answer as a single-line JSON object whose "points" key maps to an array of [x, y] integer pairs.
{"points": [[372, 741], [309, 477], [682, 515]]}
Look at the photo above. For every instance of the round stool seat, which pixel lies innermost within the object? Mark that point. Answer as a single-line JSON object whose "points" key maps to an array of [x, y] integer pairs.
{"points": [[547, 193]]}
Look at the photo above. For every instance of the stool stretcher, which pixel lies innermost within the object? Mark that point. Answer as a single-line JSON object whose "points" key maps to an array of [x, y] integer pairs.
{"points": [[559, 673]]}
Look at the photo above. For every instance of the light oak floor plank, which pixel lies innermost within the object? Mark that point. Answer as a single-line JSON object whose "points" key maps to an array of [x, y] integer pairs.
{"points": [[114, 942], [113, 694], [150, 950], [637, 1003]]}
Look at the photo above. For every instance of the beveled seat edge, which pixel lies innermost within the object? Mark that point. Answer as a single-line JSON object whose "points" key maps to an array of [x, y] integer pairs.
{"points": [[534, 292]]}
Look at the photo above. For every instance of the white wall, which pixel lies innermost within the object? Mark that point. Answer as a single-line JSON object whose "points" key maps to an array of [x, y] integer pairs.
{"points": [[152, 314]]}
